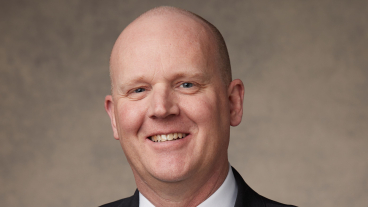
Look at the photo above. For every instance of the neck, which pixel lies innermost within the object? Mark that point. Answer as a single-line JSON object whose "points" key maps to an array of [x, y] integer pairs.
{"points": [[189, 192]]}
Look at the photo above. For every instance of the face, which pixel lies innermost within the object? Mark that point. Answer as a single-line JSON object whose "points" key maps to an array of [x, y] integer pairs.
{"points": [[167, 84]]}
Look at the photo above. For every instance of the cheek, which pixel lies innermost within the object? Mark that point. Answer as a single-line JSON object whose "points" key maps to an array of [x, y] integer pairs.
{"points": [[130, 117], [205, 111], [210, 116]]}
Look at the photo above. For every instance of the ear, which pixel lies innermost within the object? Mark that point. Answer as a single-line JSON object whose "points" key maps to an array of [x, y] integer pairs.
{"points": [[236, 96], [109, 107]]}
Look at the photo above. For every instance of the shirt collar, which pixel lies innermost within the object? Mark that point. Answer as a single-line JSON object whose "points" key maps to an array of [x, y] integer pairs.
{"points": [[224, 196], [144, 202]]}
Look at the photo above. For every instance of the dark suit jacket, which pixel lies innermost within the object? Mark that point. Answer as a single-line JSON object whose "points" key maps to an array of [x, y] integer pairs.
{"points": [[246, 197]]}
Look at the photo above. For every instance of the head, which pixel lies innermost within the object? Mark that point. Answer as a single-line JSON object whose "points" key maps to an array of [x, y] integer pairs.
{"points": [[170, 75]]}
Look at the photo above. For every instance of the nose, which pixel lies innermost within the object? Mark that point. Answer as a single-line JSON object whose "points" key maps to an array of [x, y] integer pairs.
{"points": [[163, 103]]}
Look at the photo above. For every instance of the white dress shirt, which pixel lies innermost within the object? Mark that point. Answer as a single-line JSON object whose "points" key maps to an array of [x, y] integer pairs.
{"points": [[225, 196]]}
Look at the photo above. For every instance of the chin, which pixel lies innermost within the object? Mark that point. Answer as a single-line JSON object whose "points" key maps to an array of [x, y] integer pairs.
{"points": [[171, 177], [171, 173]]}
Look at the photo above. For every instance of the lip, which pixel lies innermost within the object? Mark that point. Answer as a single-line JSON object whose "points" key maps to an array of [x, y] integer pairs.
{"points": [[169, 145], [169, 132]]}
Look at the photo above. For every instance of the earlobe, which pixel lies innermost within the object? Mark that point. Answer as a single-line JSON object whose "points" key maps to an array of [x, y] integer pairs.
{"points": [[109, 107], [236, 96]]}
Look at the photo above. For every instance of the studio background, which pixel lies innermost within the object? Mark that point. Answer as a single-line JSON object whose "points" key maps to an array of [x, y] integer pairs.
{"points": [[304, 135]]}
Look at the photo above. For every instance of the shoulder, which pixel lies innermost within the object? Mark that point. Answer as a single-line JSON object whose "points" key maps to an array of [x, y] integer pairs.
{"points": [[248, 197], [271, 203], [132, 201]]}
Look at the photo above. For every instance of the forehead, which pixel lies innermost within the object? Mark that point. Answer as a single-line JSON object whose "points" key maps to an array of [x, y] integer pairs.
{"points": [[163, 45]]}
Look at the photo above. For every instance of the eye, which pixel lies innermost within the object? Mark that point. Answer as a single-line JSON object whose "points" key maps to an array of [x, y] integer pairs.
{"points": [[139, 90], [186, 85]]}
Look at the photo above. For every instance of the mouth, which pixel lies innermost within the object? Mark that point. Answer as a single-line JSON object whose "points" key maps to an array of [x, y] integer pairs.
{"points": [[167, 137]]}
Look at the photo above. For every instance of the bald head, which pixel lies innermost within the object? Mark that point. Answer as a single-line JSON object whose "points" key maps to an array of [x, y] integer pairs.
{"points": [[170, 21]]}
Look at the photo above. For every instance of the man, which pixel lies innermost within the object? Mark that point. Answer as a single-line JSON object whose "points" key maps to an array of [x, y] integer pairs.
{"points": [[173, 101]]}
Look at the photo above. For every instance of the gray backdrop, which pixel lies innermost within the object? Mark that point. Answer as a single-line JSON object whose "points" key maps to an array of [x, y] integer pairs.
{"points": [[303, 139]]}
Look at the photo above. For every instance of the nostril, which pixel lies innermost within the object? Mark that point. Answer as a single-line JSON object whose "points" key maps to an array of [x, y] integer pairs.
{"points": [[163, 103]]}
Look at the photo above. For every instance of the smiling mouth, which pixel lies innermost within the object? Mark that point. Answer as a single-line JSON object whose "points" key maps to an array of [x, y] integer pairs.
{"points": [[167, 137]]}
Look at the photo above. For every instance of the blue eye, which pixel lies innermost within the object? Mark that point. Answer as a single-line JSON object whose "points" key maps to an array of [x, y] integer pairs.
{"points": [[187, 85], [139, 90]]}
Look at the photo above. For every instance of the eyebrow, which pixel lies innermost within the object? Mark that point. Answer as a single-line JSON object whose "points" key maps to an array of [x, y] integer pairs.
{"points": [[205, 76], [139, 79]]}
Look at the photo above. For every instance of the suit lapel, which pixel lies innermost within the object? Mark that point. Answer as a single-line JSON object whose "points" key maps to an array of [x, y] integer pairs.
{"points": [[132, 201], [246, 196]]}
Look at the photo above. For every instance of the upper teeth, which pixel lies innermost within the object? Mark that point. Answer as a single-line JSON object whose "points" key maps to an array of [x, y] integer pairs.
{"points": [[167, 137]]}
